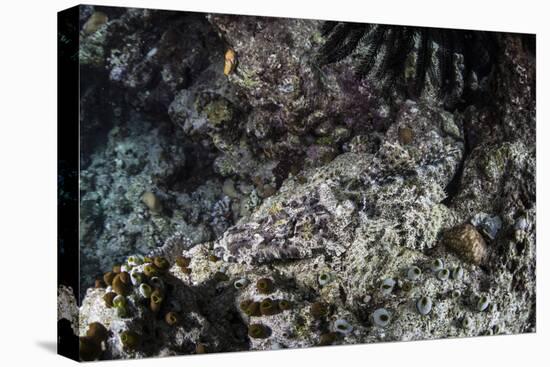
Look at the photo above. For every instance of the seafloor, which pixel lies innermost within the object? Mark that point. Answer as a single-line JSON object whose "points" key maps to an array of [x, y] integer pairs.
{"points": [[272, 196]]}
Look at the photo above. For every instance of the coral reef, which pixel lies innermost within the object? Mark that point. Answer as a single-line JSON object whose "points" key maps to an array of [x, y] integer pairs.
{"points": [[446, 62], [242, 188]]}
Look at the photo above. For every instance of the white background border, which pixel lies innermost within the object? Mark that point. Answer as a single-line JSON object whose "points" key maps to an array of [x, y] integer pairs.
{"points": [[28, 183]]}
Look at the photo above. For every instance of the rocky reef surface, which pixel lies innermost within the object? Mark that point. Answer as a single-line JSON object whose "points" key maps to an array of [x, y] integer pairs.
{"points": [[238, 195]]}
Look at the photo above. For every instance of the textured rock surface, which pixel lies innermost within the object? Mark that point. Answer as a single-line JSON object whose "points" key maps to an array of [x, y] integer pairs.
{"points": [[304, 175], [67, 308]]}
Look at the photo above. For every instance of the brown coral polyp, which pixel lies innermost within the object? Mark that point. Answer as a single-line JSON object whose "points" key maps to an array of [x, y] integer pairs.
{"points": [[156, 300], [122, 284], [172, 318], [264, 285], [108, 298], [89, 348], [251, 308], [268, 307], [161, 263], [319, 310], [259, 331], [183, 262], [108, 277], [405, 135], [97, 331]]}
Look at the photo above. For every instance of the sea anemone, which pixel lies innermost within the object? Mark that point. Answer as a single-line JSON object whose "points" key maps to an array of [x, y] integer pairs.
{"points": [[408, 58]]}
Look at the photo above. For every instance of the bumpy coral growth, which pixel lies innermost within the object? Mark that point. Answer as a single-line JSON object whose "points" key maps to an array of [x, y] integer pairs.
{"points": [[289, 203], [152, 202]]}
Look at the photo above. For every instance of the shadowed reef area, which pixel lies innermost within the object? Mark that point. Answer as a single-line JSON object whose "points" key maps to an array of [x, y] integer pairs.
{"points": [[283, 183]]}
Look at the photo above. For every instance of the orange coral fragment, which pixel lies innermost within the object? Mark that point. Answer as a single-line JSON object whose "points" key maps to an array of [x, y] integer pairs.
{"points": [[230, 61]]}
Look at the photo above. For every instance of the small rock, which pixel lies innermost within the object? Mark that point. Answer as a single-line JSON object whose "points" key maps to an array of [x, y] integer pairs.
{"points": [[405, 135], [152, 202], [466, 242], [490, 225], [229, 189], [95, 21]]}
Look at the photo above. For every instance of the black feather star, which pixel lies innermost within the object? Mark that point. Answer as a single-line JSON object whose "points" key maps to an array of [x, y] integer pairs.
{"points": [[406, 56]]}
